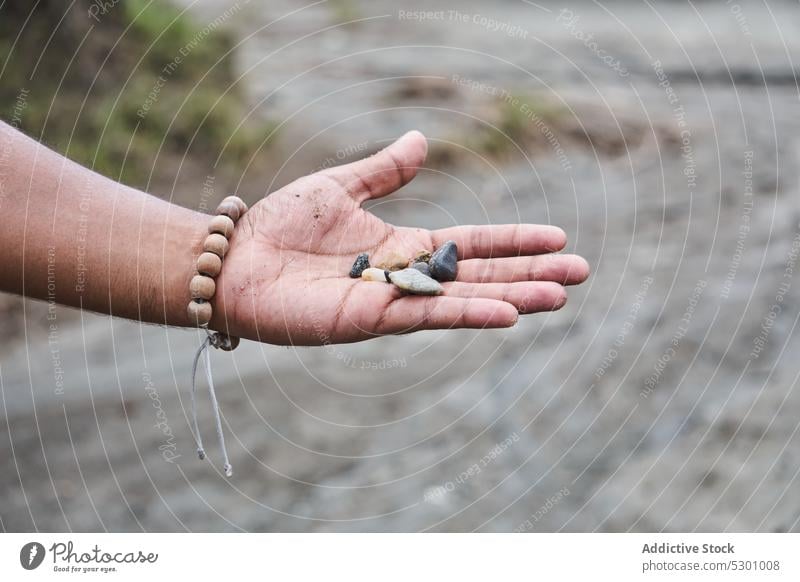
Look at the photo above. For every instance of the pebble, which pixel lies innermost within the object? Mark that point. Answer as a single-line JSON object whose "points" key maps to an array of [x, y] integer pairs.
{"points": [[373, 274], [422, 268], [394, 262], [415, 282], [362, 262], [444, 262], [422, 257]]}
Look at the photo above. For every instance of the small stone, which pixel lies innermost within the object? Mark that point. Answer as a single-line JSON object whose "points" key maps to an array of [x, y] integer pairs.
{"points": [[415, 282], [394, 262], [373, 274], [422, 257], [362, 262], [422, 268], [444, 262]]}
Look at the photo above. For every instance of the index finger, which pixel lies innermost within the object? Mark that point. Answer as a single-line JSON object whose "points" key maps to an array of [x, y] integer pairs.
{"points": [[502, 240]]}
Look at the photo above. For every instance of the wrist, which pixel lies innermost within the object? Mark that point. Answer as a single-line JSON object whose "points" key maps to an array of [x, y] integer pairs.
{"points": [[210, 245], [185, 232]]}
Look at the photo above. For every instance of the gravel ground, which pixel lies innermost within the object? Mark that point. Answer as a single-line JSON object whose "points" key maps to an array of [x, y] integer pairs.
{"points": [[662, 397]]}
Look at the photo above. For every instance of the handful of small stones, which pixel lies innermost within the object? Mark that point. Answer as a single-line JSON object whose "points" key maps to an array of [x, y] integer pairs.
{"points": [[419, 275]]}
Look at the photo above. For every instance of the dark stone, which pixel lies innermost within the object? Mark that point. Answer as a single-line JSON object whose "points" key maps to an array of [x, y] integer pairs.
{"points": [[422, 268], [444, 262], [362, 262]]}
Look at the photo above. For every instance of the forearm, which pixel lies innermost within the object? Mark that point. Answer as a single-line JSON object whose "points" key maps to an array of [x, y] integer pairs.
{"points": [[77, 238]]}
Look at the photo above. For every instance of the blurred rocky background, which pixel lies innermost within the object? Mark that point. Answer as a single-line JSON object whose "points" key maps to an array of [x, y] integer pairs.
{"points": [[661, 136]]}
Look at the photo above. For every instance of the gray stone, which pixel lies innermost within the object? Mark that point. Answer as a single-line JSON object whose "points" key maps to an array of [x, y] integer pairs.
{"points": [[415, 282], [422, 268], [444, 262]]}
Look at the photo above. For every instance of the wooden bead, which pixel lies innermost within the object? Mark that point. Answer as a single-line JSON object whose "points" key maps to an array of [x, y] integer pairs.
{"points": [[199, 312], [228, 343], [217, 244], [230, 209], [221, 225], [209, 264], [238, 201], [202, 287]]}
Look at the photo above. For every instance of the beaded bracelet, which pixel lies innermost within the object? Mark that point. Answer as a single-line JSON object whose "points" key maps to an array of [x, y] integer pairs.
{"points": [[202, 288]]}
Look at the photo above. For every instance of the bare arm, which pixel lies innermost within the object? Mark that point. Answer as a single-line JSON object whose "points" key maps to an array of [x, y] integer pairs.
{"points": [[75, 237], [81, 239]]}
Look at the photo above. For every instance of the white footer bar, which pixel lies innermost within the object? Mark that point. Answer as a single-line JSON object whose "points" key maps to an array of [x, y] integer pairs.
{"points": [[401, 557]]}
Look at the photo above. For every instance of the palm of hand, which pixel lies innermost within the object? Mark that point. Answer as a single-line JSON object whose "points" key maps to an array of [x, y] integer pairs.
{"points": [[285, 279]]}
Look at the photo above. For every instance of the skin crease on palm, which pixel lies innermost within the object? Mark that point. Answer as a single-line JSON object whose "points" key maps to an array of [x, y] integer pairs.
{"points": [[285, 279]]}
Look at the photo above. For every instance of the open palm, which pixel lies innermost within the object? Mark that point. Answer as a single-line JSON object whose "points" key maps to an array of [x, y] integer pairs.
{"points": [[285, 279]]}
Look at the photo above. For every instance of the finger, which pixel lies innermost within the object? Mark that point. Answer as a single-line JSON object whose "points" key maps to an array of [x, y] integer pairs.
{"points": [[416, 313], [525, 297], [502, 240], [563, 269], [388, 170]]}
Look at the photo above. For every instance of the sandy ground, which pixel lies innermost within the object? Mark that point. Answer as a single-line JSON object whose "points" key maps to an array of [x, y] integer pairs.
{"points": [[663, 397]]}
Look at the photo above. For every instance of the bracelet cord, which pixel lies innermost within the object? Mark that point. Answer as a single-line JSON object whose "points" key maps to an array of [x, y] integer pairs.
{"points": [[202, 289], [201, 453]]}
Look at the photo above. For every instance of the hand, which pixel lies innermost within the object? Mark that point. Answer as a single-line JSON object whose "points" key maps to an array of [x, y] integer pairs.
{"points": [[285, 278]]}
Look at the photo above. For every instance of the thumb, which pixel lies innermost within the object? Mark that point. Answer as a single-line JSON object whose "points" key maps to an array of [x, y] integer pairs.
{"points": [[388, 170]]}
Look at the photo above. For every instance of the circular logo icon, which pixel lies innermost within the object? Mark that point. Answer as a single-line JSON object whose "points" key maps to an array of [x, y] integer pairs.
{"points": [[31, 555]]}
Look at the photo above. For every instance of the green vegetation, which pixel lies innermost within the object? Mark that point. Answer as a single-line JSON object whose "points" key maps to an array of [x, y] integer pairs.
{"points": [[527, 122], [522, 121], [344, 11], [129, 92]]}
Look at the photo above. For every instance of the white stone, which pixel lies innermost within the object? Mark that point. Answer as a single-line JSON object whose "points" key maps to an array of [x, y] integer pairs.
{"points": [[415, 282], [373, 274]]}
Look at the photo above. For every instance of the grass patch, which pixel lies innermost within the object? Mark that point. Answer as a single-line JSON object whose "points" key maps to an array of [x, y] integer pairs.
{"points": [[522, 121], [529, 122], [344, 11], [144, 85]]}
